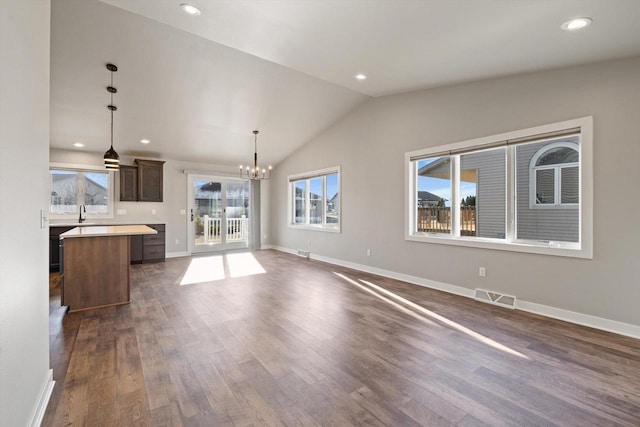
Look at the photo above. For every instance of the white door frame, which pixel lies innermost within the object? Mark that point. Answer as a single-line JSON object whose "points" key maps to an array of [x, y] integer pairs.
{"points": [[223, 245]]}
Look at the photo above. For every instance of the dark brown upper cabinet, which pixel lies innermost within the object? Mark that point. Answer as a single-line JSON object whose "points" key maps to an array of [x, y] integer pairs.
{"points": [[149, 180], [143, 182], [128, 183]]}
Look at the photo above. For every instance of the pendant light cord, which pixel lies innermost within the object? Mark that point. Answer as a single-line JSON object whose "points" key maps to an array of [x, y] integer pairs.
{"points": [[255, 153], [111, 109]]}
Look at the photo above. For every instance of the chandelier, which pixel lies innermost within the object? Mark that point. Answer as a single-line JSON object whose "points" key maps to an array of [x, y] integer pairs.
{"points": [[255, 173]]}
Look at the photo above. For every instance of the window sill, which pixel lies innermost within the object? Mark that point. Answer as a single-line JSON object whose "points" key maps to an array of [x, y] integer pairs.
{"points": [[573, 206], [315, 228], [564, 249]]}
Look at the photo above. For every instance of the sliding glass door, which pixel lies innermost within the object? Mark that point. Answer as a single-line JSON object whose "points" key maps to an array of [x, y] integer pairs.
{"points": [[218, 213]]}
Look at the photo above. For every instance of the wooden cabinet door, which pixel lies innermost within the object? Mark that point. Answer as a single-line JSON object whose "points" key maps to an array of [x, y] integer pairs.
{"points": [[154, 244], [149, 180], [54, 246], [128, 183]]}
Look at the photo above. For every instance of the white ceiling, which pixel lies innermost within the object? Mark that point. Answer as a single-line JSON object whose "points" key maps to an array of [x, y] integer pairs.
{"points": [[198, 85]]}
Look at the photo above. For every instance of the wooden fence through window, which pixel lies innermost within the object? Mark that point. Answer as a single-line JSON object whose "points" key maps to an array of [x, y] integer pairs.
{"points": [[437, 219]]}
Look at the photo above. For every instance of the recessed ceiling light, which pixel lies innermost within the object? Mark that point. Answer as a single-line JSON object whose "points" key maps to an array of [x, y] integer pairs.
{"points": [[145, 141], [576, 24], [360, 77], [78, 144], [190, 9]]}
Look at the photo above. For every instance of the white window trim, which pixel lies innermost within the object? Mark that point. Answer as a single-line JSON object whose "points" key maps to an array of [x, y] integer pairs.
{"points": [[81, 168], [291, 192], [533, 204], [582, 249]]}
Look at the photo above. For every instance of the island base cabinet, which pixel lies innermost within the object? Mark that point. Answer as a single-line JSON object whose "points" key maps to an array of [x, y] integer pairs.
{"points": [[96, 272], [136, 249]]}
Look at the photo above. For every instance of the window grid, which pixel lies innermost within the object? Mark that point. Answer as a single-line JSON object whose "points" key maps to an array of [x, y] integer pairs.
{"points": [[578, 175], [72, 188], [311, 204]]}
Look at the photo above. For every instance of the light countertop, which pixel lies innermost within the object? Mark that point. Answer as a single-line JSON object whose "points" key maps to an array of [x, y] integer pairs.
{"points": [[93, 224], [108, 230]]}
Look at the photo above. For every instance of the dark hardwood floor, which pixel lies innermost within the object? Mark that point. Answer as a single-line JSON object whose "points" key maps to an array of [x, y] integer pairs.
{"points": [[308, 343]]}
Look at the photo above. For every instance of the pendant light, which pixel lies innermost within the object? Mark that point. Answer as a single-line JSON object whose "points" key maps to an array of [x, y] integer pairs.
{"points": [[255, 173], [111, 158]]}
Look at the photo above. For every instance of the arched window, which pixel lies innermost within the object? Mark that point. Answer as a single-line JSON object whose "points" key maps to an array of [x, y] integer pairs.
{"points": [[555, 176]]}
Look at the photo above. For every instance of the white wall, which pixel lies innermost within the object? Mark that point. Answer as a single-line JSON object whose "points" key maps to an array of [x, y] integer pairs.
{"points": [[370, 144], [24, 153], [174, 195]]}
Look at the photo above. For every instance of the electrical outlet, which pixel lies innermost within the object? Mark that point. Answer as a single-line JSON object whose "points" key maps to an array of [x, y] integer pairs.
{"points": [[368, 252], [482, 272], [177, 242], [122, 212], [153, 211]]}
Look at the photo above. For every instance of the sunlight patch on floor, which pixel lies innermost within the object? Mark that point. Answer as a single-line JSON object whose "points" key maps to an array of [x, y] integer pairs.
{"points": [[388, 301], [243, 264], [204, 269], [212, 268], [421, 312]]}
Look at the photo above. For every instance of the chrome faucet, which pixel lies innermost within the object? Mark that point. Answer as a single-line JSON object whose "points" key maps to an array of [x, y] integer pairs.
{"points": [[82, 209]]}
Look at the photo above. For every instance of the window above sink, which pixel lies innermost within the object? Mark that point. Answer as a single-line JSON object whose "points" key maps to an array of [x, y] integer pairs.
{"points": [[74, 187]]}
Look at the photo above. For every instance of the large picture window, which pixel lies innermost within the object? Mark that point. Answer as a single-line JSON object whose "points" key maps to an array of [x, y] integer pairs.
{"points": [[315, 200], [73, 189], [525, 191]]}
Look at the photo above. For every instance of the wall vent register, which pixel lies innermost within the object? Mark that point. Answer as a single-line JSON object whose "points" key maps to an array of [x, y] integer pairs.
{"points": [[495, 298]]}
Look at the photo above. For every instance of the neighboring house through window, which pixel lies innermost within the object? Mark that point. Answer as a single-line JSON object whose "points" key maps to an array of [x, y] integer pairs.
{"points": [[72, 188], [548, 187], [555, 175]]}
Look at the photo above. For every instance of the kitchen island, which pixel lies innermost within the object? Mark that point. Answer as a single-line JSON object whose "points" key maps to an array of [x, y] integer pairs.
{"points": [[95, 267]]}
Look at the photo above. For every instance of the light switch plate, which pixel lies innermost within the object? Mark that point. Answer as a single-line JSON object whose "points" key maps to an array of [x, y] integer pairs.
{"points": [[43, 218]]}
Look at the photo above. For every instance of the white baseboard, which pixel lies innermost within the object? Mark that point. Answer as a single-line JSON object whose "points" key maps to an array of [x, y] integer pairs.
{"points": [[608, 325], [43, 400], [282, 249], [452, 289], [176, 254], [580, 318], [183, 254]]}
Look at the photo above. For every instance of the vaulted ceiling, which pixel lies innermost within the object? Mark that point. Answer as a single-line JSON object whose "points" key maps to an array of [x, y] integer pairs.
{"points": [[196, 86]]}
